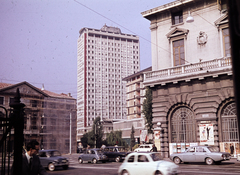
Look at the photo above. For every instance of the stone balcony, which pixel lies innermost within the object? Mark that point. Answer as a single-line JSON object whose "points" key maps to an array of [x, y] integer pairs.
{"points": [[188, 72]]}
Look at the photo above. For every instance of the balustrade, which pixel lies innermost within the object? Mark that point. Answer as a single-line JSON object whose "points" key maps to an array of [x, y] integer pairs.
{"points": [[189, 68]]}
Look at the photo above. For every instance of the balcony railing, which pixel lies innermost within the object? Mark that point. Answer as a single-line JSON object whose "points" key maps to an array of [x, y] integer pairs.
{"points": [[184, 70]]}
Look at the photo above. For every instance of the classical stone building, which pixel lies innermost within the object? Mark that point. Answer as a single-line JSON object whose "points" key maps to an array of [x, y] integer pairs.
{"points": [[191, 77], [47, 115]]}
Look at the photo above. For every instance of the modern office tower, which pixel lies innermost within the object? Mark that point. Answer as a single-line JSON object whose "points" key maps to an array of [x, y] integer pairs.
{"points": [[104, 57]]}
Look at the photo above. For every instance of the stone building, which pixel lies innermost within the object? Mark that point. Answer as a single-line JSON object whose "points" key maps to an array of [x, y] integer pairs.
{"points": [[191, 77], [47, 115], [105, 56]]}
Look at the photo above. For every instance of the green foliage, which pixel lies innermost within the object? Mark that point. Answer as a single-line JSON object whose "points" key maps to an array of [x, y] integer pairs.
{"points": [[132, 138], [147, 110], [136, 146], [94, 136], [97, 130], [87, 139], [115, 138]]}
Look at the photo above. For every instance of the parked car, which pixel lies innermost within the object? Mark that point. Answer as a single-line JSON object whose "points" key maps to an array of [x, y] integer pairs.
{"points": [[142, 163], [52, 158], [93, 155], [117, 154], [208, 154], [144, 147]]}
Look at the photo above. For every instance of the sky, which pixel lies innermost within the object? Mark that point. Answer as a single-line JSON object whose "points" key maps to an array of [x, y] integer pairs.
{"points": [[38, 39]]}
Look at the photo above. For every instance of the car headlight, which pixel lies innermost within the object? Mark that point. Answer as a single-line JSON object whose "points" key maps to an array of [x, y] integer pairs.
{"points": [[55, 161]]}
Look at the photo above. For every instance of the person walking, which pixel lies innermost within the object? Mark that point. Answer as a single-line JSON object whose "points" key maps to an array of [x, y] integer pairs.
{"points": [[154, 148], [31, 164]]}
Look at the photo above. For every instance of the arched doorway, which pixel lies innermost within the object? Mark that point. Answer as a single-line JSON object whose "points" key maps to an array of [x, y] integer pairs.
{"points": [[183, 132], [230, 137]]}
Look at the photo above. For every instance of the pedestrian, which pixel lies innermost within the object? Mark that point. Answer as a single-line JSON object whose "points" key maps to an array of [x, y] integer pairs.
{"points": [[154, 148], [31, 164], [80, 147], [88, 146], [103, 146], [232, 149]]}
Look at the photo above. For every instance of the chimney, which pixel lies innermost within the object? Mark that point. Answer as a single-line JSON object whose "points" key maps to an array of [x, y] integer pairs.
{"points": [[42, 87]]}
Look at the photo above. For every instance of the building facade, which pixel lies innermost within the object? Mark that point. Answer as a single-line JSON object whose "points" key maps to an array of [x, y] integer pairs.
{"points": [[47, 115], [135, 94], [135, 91], [105, 57], [191, 77]]}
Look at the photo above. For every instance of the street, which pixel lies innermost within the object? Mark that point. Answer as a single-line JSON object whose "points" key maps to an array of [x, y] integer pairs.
{"points": [[110, 168]]}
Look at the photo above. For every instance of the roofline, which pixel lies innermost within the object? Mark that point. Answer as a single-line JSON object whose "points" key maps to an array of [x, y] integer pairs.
{"points": [[21, 83], [106, 32], [138, 73], [165, 7], [37, 89]]}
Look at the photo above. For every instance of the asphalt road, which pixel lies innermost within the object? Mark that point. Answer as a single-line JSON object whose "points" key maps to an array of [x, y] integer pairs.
{"points": [[111, 168]]}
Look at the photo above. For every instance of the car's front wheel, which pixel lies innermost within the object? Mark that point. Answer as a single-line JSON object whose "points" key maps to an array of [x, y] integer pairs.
{"points": [[51, 167], [158, 173], [80, 160], [177, 160], [117, 159], [124, 172], [209, 161]]}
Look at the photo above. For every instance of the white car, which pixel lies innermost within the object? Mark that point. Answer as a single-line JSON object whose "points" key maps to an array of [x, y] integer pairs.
{"points": [[144, 147], [147, 163]]}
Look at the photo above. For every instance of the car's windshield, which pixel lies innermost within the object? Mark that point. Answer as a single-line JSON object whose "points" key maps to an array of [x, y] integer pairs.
{"points": [[156, 156], [53, 153], [213, 148]]}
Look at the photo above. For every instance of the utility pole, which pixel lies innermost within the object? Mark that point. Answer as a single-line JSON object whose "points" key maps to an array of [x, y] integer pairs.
{"points": [[70, 133]]}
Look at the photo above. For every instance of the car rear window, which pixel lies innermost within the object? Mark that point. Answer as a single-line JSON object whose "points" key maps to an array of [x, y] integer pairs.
{"points": [[213, 149], [53, 153]]}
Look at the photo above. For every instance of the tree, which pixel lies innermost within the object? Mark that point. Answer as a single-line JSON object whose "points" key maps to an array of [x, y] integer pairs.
{"points": [[147, 110], [94, 137], [97, 130], [132, 138], [115, 137]]}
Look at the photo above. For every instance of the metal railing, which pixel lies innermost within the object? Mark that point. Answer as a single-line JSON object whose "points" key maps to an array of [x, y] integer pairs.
{"points": [[12, 122]]}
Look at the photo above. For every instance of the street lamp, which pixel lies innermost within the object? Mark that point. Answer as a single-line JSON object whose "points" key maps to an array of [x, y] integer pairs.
{"points": [[157, 135], [98, 123], [70, 132]]}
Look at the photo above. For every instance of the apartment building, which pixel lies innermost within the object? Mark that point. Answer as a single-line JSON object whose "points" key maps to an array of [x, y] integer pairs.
{"points": [[105, 56], [135, 96], [191, 77], [47, 115]]}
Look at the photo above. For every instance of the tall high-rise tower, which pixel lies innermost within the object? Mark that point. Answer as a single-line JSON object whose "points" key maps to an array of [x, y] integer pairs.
{"points": [[105, 57]]}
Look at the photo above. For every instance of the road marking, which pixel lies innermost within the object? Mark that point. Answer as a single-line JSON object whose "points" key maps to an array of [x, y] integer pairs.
{"points": [[202, 172]]}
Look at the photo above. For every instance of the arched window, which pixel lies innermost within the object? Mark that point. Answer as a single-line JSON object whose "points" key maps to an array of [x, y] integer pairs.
{"points": [[229, 123], [183, 126]]}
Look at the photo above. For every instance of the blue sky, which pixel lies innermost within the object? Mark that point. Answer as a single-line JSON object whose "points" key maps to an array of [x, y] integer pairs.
{"points": [[38, 39]]}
